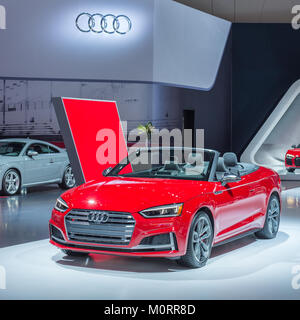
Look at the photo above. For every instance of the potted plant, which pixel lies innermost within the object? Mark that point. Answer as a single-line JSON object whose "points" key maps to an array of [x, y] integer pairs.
{"points": [[147, 129]]}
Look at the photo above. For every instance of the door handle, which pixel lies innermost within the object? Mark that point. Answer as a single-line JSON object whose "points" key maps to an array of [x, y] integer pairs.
{"points": [[51, 161], [252, 190]]}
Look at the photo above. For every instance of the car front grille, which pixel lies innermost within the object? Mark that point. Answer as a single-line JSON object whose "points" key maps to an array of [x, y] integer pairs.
{"points": [[116, 229], [289, 162], [297, 162]]}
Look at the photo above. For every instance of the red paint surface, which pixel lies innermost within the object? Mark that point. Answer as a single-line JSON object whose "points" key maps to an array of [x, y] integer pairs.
{"points": [[59, 144], [86, 118]]}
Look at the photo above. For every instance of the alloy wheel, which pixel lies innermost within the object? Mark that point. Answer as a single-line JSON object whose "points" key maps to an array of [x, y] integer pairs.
{"points": [[69, 178], [12, 182], [273, 216], [202, 235]]}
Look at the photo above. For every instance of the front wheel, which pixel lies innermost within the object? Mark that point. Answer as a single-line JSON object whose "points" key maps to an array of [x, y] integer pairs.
{"points": [[199, 242], [271, 226], [11, 183], [68, 179]]}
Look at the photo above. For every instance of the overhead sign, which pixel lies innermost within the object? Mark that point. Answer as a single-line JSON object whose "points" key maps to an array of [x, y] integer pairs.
{"points": [[98, 23]]}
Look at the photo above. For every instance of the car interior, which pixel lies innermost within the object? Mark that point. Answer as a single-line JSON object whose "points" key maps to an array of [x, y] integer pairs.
{"points": [[11, 149], [229, 164], [39, 148], [195, 166]]}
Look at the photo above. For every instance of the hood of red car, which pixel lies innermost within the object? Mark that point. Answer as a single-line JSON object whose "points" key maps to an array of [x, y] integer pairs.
{"points": [[294, 152], [134, 194]]}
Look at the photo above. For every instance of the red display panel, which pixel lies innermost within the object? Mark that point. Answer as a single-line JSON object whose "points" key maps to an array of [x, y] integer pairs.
{"points": [[93, 135]]}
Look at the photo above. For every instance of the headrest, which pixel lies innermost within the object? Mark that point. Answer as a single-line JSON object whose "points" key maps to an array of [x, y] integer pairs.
{"points": [[221, 166], [195, 159], [230, 159]]}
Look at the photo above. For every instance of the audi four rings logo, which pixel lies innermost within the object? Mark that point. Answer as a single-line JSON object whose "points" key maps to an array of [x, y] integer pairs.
{"points": [[98, 217], [98, 23]]}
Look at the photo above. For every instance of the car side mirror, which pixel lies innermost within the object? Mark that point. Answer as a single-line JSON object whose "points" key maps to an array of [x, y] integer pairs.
{"points": [[294, 146], [228, 178], [107, 171], [31, 153]]}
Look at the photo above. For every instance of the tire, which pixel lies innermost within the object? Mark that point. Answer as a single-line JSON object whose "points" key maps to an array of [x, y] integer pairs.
{"points": [[68, 180], [71, 253], [271, 226], [11, 182], [198, 252], [291, 170]]}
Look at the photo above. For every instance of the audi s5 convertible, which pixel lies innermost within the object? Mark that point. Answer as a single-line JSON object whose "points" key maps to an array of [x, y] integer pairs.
{"points": [[174, 203]]}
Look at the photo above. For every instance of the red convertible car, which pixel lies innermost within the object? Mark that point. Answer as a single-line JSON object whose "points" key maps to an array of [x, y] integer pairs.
{"points": [[292, 159], [171, 208]]}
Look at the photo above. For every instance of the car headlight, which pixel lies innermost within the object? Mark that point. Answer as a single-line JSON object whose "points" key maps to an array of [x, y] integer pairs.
{"points": [[290, 156], [61, 205], [172, 210]]}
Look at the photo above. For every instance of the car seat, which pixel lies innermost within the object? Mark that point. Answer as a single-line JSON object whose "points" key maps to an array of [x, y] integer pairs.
{"points": [[231, 163], [221, 169]]}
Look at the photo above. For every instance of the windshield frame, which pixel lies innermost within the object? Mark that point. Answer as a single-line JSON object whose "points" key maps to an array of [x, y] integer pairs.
{"points": [[121, 165]]}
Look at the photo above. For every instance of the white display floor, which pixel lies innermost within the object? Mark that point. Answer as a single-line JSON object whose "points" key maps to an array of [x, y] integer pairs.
{"points": [[244, 269]]}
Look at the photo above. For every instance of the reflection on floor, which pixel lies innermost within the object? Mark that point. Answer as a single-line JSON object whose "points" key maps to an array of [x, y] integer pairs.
{"points": [[24, 218], [285, 175], [244, 269]]}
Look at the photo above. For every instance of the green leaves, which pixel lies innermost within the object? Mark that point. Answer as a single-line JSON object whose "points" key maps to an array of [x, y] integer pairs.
{"points": [[147, 128]]}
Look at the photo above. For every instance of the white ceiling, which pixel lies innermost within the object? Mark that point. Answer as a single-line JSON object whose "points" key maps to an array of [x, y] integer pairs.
{"points": [[255, 11]]}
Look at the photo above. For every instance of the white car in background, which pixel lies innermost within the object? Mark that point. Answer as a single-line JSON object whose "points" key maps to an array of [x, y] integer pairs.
{"points": [[27, 162]]}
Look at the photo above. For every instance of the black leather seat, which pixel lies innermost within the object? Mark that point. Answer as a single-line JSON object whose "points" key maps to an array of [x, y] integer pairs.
{"points": [[231, 162], [221, 169]]}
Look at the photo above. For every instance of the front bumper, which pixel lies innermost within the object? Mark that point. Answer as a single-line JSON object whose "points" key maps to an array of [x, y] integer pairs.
{"points": [[293, 163], [174, 231]]}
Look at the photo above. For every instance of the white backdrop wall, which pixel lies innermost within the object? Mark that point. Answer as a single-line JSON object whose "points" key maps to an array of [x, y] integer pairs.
{"points": [[170, 46], [169, 43], [26, 108]]}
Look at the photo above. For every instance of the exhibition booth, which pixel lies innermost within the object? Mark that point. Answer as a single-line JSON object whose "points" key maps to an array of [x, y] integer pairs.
{"points": [[83, 217]]}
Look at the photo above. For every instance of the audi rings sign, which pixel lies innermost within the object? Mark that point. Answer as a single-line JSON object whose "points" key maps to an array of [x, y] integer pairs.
{"points": [[98, 23], [98, 217]]}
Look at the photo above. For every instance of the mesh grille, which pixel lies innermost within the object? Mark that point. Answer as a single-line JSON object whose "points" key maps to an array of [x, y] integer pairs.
{"points": [[297, 162], [116, 230]]}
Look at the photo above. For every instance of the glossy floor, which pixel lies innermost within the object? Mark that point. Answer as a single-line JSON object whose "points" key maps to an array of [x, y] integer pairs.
{"points": [[244, 269], [24, 218]]}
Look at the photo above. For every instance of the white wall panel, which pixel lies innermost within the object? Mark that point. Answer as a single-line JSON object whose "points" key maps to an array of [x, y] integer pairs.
{"points": [[169, 43]]}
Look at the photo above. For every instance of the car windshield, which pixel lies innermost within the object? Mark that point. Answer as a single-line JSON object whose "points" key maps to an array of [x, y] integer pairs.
{"points": [[12, 149], [167, 163]]}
